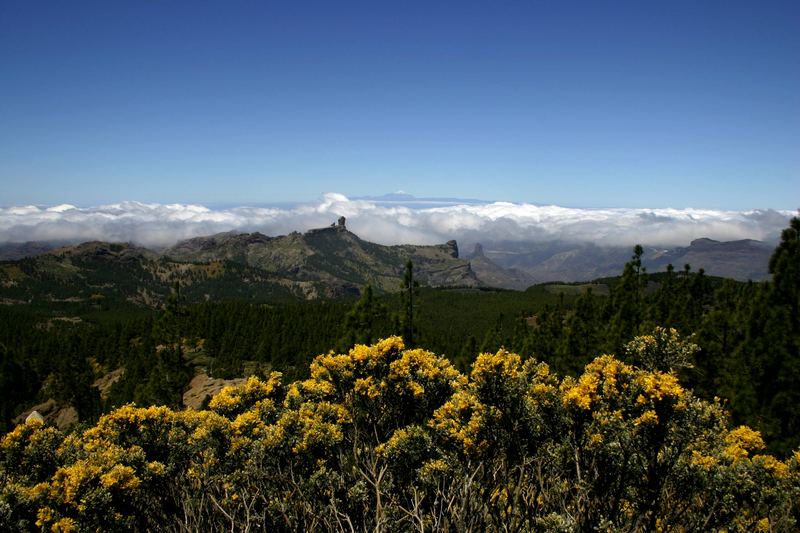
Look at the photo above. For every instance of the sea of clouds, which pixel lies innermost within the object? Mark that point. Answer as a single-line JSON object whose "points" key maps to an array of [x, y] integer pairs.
{"points": [[160, 225]]}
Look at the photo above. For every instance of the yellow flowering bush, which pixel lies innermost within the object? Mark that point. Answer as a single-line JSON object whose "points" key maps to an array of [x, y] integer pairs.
{"points": [[663, 350], [314, 427], [741, 441], [102, 489], [604, 379], [411, 454], [29, 451], [383, 386], [383, 438], [253, 393], [466, 422]]}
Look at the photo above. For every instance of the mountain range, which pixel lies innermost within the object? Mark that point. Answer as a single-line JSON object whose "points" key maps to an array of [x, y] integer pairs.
{"points": [[321, 263], [326, 262], [540, 262]]}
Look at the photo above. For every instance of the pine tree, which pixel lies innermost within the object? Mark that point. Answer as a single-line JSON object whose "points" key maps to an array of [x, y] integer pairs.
{"points": [[784, 265], [16, 385], [581, 337], [363, 323], [410, 289], [782, 332], [625, 304]]}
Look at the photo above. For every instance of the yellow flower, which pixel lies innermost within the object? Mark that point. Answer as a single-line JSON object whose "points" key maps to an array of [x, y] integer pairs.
{"points": [[772, 465], [120, 475], [703, 461], [43, 516], [399, 441], [433, 468], [740, 441], [389, 345], [464, 419], [65, 525], [156, 468], [237, 398], [540, 389], [366, 387], [581, 393], [542, 370], [648, 417], [659, 385], [609, 370], [503, 365]]}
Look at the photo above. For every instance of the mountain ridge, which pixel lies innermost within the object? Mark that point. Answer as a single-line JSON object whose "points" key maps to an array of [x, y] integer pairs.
{"points": [[331, 254], [330, 262], [320, 263], [744, 259]]}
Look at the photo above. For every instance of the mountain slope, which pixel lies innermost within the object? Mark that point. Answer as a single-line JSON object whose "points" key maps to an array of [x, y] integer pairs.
{"points": [[742, 260], [333, 256], [564, 261], [99, 274], [326, 262], [494, 275]]}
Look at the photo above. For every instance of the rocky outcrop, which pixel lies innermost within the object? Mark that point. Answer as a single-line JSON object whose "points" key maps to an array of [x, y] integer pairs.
{"points": [[335, 258], [103, 384], [203, 387], [50, 412], [453, 245], [494, 275]]}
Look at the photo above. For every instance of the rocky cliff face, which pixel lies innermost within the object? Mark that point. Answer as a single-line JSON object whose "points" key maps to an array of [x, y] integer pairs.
{"points": [[332, 255], [494, 275]]}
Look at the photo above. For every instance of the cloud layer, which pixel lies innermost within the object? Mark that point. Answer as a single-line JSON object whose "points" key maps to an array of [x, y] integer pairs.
{"points": [[158, 225]]}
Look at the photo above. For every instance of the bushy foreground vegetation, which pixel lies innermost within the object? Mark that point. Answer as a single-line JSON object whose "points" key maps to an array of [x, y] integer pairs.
{"points": [[386, 438]]}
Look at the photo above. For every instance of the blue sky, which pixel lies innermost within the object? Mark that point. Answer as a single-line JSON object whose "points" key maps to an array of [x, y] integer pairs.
{"points": [[588, 104]]}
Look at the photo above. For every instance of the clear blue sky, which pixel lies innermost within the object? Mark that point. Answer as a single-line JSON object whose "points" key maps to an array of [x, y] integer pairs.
{"points": [[600, 103]]}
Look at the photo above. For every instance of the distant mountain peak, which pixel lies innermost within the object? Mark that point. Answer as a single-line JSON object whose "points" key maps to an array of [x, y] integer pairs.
{"points": [[703, 241], [405, 199], [331, 255]]}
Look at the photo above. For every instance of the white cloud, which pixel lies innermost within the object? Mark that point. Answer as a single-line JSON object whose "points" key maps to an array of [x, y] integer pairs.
{"points": [[158, 225]]}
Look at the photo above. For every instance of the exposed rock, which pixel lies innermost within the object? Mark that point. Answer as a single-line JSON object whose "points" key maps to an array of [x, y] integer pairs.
{"points": [[104, 383], [336, 260], [62, 416], [44, 409], [744, 259], [453, 245], [494, 275], [34, 417], [203, 386], [65, 417]]}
